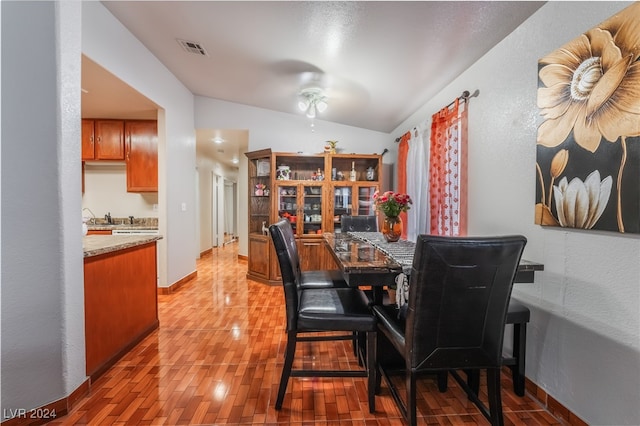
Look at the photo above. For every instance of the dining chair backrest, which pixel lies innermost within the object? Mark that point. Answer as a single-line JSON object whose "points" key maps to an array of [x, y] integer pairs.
{"points": [[459, 294], [287, 253], [359, 223]]}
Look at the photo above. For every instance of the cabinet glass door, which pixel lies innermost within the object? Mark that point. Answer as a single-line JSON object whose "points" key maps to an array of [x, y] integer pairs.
{"points": [[366, 206], [312, 209], [259, 194], [287, 203], [342, 204]]}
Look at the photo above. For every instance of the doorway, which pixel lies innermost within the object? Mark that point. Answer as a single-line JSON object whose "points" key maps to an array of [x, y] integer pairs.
{"points": [[230, 216], [224, 220], [216, 207]]}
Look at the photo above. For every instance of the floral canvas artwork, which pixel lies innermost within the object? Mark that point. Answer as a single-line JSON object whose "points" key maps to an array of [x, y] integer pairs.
{"points": [[588, 144]]}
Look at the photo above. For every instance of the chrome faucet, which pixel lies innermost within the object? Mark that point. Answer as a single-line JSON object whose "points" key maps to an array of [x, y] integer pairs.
{"points": [[93, 216]]}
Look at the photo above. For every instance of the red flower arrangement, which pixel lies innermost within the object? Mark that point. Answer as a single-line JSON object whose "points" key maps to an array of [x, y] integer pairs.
{"points": [[392, 203]]}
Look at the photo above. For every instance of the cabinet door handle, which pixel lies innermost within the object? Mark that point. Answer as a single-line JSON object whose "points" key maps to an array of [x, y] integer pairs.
{"points": [[98, 139]]}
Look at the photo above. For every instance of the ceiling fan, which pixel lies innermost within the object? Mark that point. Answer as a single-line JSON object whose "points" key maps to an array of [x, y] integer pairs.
{"points": [[312, 100], [315, 91]]}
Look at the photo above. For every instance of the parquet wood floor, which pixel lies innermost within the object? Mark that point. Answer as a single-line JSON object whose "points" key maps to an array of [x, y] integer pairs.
{"points": [[217, 357]]}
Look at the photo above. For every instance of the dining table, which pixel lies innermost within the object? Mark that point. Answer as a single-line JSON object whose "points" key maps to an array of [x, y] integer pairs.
{"points": [[367, 259]]}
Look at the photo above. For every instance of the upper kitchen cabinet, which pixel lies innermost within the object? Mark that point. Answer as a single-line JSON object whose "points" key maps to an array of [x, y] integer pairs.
{"points": [[142, 155], [88, 140], [102, 139]]}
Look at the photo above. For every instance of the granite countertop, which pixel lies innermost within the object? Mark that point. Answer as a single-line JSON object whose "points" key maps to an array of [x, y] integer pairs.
{"points": [[107, 227], [123, 223], [94, 245]]}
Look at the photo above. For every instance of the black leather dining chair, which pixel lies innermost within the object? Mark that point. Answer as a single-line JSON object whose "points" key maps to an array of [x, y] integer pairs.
{"points": [[309, 279], [359, 223], [316, 278], [311, 312], [518, 315], [460, 290]]}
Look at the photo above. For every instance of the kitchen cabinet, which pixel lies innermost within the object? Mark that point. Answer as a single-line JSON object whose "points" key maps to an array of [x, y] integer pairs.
{"points": [[88, 140], [141, 149], [102, 139], [310, 191], [99, 232], [134, 141], [120, 302]]}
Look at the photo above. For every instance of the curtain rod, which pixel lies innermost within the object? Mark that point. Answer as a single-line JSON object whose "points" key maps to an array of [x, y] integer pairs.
{"points": [[464, 98]]}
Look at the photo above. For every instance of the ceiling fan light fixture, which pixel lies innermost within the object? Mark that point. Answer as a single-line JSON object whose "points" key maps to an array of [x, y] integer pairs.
{"points": [[303, 104], [321, 106], [312, 101], [311, 112]]}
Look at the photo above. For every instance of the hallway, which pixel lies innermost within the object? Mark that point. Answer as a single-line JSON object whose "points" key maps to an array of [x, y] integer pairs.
{"points": [[217, 358]]}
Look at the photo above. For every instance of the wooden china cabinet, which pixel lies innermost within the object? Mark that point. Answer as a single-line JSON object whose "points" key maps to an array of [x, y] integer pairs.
{"points": [[260, 250], [312, 191]]}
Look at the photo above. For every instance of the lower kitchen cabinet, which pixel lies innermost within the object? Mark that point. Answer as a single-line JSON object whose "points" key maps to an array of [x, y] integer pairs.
{"points": [[120, 304], [99, 232]]}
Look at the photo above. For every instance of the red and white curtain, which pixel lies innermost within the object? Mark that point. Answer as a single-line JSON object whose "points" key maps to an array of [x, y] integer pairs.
{"points": [[448, 171], [432, 169]]}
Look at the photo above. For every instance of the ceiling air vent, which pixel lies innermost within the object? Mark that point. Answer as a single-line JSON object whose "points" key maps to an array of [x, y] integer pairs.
{"points": [[192, 47]]}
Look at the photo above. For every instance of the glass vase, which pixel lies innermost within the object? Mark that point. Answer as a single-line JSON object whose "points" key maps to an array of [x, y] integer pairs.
{"points": [[392, 228]]}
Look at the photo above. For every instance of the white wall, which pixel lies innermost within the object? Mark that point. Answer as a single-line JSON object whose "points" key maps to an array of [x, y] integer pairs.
{"points": [[43, 348], [107, 42], [282, 133], [583, 343], [42, 286], [105, 191]]}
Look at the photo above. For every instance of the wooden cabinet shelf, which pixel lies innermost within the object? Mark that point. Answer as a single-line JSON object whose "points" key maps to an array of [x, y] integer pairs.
{"points": [[312, 192]]}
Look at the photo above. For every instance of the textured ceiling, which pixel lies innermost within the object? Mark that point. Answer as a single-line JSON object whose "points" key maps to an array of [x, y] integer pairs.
{"points": [[378, 62]]}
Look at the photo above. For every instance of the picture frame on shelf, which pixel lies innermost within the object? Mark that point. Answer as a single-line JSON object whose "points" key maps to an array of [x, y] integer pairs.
{"points": [[263, 167]]}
